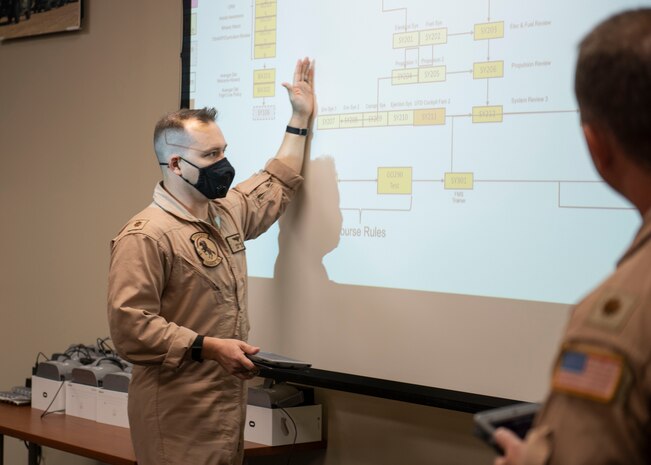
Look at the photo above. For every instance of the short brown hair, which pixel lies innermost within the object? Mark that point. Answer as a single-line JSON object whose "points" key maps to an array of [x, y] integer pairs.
{"points": [[176, 121], [613, 80]]}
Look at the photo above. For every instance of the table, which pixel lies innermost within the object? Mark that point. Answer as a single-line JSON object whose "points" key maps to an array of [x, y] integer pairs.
{"points": [[106, 443]]}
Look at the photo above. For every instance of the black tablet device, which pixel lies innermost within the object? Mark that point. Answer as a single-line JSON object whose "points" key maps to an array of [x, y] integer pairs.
{"points": [[517, 417], [269, 359]]}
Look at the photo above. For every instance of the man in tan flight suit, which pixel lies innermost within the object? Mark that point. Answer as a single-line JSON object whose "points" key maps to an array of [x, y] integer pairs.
{"points": [[599, 407], [177, 297]]}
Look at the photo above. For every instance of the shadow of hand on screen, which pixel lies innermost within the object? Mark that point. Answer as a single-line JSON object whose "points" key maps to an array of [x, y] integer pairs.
{"points": [[310, 227], [303, 294]]}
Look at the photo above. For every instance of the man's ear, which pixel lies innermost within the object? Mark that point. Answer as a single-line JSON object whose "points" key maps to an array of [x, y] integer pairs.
{"points": [[173, 163], [600, 147]]}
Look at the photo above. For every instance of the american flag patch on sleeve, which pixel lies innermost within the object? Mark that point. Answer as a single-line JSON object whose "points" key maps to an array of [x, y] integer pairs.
{"points": [[591, 373]]}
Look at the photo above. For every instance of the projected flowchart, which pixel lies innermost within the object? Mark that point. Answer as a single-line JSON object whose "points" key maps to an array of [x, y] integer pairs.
{"points": [[424, 42], [454, 131]]}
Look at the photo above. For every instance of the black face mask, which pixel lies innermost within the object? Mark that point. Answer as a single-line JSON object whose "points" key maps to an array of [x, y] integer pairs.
{"points": [[214, 180]]}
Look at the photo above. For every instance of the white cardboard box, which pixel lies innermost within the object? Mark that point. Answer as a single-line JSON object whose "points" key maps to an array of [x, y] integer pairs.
{"points": [[112, 408], [271, 426], [44, 390], [81, 400]]}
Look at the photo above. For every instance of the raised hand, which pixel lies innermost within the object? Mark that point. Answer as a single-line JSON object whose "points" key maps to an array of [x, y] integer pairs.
{"points": [[301, 91]]}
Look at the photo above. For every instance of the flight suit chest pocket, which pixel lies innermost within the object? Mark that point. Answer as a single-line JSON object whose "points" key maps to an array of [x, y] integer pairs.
{"points": [[195, 274], [203, 298]]}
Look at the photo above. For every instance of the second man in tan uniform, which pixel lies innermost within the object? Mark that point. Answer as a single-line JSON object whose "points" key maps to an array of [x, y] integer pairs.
{"points": [[599, 408]]}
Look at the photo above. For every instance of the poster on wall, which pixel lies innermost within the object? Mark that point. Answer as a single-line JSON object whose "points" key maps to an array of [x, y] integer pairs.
{"points": [[27, 18]]}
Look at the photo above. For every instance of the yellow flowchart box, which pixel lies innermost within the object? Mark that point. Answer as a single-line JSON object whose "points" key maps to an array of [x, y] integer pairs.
{"points": [[265, 37], [489, 114], [394, 180], [401, 118], [264, 90], [429, 117], [327, 122], [404, 76], [267, 8], [405, 39], [432, 74], [459, 181], [434, 36], [488, 69], [375, 118], [264, 76], [266, 23], [493, 30], [351, 120], [264, 51]]}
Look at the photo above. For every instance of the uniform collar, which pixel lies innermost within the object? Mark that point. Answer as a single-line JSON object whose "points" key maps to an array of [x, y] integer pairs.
{"points": [[641, 238], [167, 202]]}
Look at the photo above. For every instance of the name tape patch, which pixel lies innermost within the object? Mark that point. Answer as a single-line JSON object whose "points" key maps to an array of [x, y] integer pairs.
{"points": [[235, 243]]}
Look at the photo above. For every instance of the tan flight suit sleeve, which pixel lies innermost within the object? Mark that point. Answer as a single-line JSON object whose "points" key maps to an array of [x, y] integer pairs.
{"points": [[137, 277], [260, 200]]}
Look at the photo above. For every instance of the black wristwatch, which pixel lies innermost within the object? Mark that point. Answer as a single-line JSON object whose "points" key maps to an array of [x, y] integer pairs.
{"points": [[196, 348], [298, 131]]}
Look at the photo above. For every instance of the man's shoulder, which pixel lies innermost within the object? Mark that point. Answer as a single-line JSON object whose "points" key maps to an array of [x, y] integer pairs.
{"points": [[616, 314], [152, 221]]}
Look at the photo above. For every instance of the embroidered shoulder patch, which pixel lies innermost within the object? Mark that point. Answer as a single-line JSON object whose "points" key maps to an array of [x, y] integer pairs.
{"points": [[590, 372], [236, 243], [206, 249]]}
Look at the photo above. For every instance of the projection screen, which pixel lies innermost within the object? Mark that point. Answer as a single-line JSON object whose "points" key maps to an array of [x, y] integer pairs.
{"points": [[450, 213]]}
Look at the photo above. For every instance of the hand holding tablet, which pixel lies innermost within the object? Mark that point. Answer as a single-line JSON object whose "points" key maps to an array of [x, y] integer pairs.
{"points": [[269, 359], [517, 418]]}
